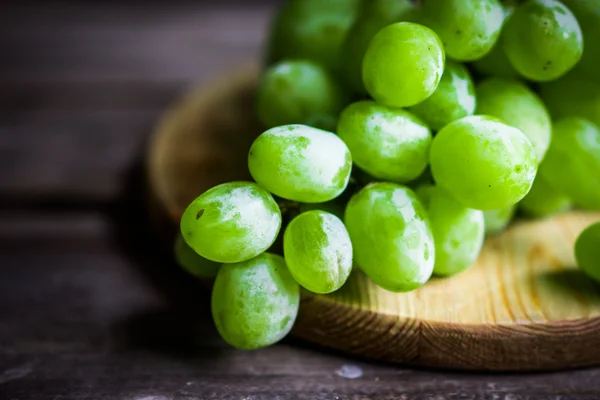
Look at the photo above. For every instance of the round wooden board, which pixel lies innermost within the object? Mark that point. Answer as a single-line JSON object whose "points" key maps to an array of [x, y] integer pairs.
{"points": [[523, 306]]}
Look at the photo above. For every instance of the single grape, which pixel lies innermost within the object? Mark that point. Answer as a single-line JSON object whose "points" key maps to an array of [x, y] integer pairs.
{"points": [[375, 16], [542, 40], [391, 236], [300, 163], [484, 163], [318, 251], [192, 262], [469, 29], [587, 251], [453, 99], [255, 302], [543, 199], [299, 92], [312, 30], [497, 220], [572, 164], [518, 106], [458, 231], [572, 96], [403, 64], [587, 13], [388, 143], [231, 222], [331, 207]]}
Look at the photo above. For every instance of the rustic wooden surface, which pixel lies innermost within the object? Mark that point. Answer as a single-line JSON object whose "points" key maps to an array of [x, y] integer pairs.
{"points": [[89, 307], [523, 293]]}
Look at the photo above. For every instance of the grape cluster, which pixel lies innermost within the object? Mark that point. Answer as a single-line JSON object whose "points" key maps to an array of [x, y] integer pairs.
{"points": [[399, 133]]}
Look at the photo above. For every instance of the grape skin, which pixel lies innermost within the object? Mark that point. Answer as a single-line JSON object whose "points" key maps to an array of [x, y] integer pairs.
{"points": [[572, 164], [255, 303], [318, 251], [300, 163], [403, 64], [458, 231], [497, 220], [484, 163], [542, 40], [469, 29], [543, 199], [299, 92], [387, 143], [518, 106], [192, 262], [391, 236], [453, 99], [231, 222], [587, 251]]}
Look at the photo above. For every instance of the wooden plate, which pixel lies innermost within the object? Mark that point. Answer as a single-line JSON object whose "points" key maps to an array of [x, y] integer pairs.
{"points": [[523, 306]]}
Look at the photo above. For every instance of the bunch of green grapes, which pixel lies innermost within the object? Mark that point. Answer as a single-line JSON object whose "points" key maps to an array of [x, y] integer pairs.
{"points": [[397, 135]]}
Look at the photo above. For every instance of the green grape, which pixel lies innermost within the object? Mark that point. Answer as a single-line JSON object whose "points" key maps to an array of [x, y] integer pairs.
{"points": [[318, 251], [572, 164], [388, 143], [331, 207], [453, 99], [377, 15], [231, 222], [403, 64], [469, 29], [391, 236], [518, 106], [484, 163], [300, 163], [299, 92], [313, 30], [497, 220], [458, 231], [588, 17], [495, 63], [255, 302], [572, 96], [542, 40], [192, 262], [543, 199], [587, 251]]}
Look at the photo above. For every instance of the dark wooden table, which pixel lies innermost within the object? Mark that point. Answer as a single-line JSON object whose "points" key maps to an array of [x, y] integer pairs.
{"points": [[91, 306]]}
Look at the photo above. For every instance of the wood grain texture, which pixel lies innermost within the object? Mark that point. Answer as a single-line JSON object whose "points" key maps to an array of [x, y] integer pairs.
{"points": [[523, 306]]}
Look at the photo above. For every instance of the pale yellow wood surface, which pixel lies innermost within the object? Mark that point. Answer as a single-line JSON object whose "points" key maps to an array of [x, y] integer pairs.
{"points": [[523, 305]]}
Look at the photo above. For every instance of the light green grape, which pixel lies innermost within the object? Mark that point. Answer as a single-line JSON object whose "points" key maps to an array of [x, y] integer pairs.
{"points": [[469, 29], [588, 17], [299, 92], [587, 251], [231, 222], [572, 164], [542, 40], [484, 163], [331, 207], [255, 302], [391, 236], [313, 30], [318, 251], [376, 15], [518, 106], [300, 163], [458, 231], [192, 262], [388, 143], [543, 199], [572, 96], [403, 64], [453, 99], [497, 220]]}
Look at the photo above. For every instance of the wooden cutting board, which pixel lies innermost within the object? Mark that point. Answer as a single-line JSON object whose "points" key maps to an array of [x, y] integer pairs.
{"points": [[523, 306]]}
